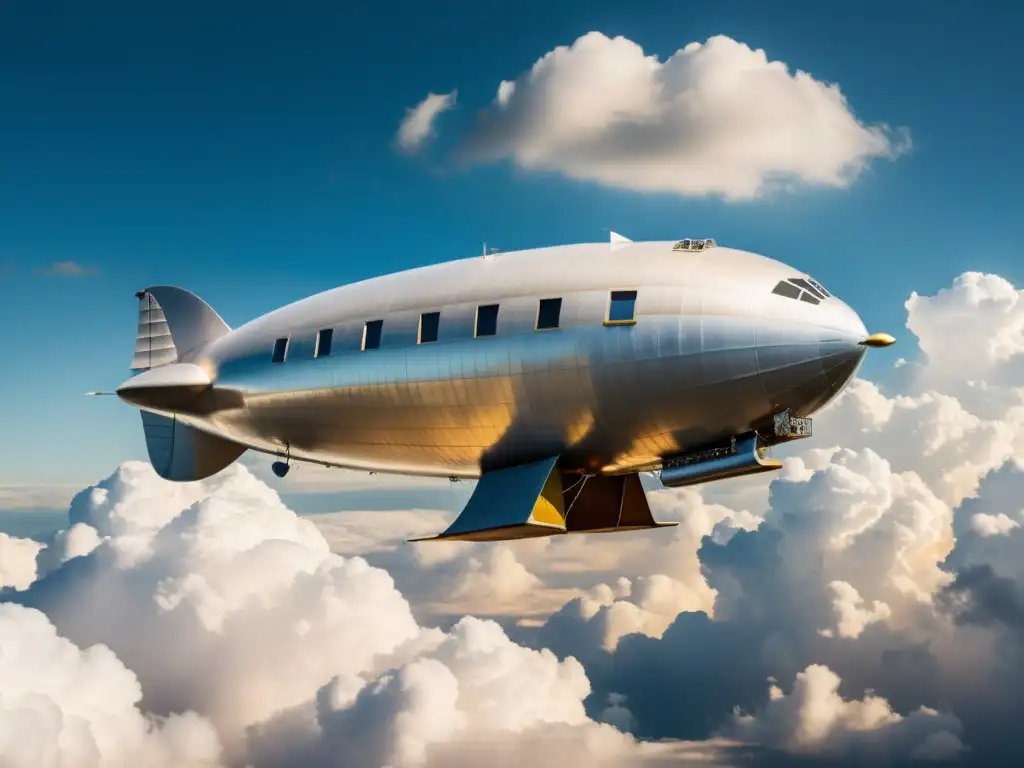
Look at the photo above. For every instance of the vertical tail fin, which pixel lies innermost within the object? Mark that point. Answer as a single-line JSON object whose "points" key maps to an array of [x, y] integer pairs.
{"points": [[172, 323]]}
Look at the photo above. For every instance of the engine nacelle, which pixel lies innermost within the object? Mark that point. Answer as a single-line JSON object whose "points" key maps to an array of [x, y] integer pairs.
{"points": [[743, 455]]}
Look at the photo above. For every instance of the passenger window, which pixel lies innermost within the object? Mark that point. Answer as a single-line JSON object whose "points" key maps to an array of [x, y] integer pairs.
{"points": [[548, 314], [280, 350], [486, 320], [371, 334], [788, 290], [323, 342], [429, 324], [622, 308]]}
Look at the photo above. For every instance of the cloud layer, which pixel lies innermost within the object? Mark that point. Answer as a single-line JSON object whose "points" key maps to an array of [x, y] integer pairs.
{"points": [[715, 118]]}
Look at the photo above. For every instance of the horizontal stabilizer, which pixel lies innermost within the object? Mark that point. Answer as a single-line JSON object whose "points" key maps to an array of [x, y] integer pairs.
{"points": [[180, 453], [514, 503], [169, 387]]}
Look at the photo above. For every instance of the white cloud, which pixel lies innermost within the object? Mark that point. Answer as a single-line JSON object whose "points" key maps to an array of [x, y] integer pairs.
{"points": [[814, 719], [717, 118], [283, 653], [17, 561], [62, 705], [993, 525], [418, 124], [851, 617], [976, 322], [497, 576], [930, 433]]}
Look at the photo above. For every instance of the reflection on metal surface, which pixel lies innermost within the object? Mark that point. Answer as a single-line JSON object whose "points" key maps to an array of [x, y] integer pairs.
{"points": [[699, 350], [744, 456], [879, 340]]}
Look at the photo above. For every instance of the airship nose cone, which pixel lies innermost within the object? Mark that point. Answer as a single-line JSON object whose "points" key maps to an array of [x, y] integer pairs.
{"points": [[841, 350], [805, 364]]}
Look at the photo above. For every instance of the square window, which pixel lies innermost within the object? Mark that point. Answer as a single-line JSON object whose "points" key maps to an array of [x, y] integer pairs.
{"points": [[622, 309], [429, 324], [487, 320], [323, 342], [372, 333], [280, 350], [548, 313]]}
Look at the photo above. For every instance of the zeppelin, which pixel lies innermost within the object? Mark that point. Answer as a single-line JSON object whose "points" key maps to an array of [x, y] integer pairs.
{"points": [[553, 376]]}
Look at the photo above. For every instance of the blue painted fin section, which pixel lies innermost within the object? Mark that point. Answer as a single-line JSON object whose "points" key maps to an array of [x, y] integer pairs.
{"points": [[513, 503]]}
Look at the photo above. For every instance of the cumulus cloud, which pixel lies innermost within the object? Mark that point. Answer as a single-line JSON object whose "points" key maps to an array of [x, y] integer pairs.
{"points": [[418, 124], [993, 525], [976, 322], [930, 433], [715, 118], [851, 616], [814, 719], [217, 625], [62, 705], [17, 561]]}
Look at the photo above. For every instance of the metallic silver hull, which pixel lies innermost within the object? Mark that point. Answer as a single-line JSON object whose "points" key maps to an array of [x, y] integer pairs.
{"points": [[713, 354]]}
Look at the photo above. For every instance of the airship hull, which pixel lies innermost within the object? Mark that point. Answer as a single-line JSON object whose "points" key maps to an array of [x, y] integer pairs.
{"points": [[593, 360]]}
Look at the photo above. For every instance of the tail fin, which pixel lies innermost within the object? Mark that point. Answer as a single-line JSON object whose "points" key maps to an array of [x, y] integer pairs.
{"points": [[182, 453], [172, 323]]}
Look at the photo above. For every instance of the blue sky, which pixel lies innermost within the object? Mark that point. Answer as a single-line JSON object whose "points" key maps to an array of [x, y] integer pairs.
{"points": [[248, 154]]}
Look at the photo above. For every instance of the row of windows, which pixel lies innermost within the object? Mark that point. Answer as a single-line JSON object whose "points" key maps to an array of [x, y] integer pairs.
{"points": [[621, 311], [807, 290]]}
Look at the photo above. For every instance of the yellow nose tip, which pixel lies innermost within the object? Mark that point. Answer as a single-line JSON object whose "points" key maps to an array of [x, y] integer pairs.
{"points": [[878, 340]]}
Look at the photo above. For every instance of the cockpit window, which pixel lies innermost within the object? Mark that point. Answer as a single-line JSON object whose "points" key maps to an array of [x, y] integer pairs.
{"points": [[799, 281], [819, 286], [788, 290], [803, 289]]}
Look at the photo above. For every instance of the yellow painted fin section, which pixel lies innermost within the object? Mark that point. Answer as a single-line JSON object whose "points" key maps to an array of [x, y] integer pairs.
{"points": [[549, 508]]}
